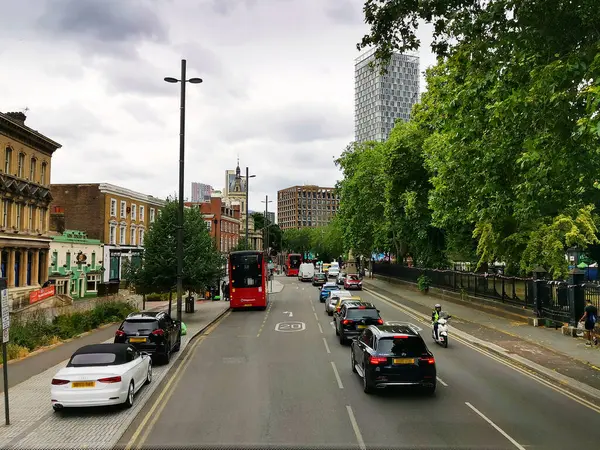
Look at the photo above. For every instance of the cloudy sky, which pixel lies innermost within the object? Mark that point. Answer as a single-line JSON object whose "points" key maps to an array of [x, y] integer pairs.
{"points": [[278, 87]]}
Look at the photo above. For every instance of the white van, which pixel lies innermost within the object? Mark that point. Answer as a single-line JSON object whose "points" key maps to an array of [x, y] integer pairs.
{"points": [[334, 270], [306, 272]]}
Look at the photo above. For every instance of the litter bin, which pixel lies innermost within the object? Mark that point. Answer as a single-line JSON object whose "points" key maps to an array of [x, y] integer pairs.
{"points": [[189, 304]]}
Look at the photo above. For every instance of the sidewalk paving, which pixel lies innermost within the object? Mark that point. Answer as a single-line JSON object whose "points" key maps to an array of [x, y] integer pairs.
{"points": [[35, 425], [548, 348]]}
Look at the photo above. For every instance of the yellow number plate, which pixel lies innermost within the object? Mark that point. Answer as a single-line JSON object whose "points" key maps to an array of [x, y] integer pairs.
{"points": [[137, 339], [362, 327], [84, 384], [404, 360]]}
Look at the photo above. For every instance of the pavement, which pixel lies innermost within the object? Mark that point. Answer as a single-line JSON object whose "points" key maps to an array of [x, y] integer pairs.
{"points": [[562, 356], [291, 385], [35, 425]]}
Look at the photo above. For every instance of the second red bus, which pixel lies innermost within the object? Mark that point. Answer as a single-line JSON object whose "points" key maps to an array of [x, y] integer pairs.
{"points": [[293, 264]]}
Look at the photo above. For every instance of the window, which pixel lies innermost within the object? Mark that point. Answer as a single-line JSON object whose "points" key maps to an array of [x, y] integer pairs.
{"points": [[411, 346], [68, 263], [246, 271], [112, 237], [122, 234], [92, 283], [123, 209], [357, 314], [21, 165], [7, 159], [209, 225], [132, 237], [93, 260], [152, 212], [133, 212], [18, 217], [5, 206], [141, 241], [113, 207], [43, 173], [141, 213], [30, 219], [42, 220], [32, 168], [55, 259]]}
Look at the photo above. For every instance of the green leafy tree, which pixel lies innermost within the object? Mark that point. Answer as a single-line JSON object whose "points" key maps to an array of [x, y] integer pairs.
{"points": [[275, 233], [298, 240], [203, 264]]}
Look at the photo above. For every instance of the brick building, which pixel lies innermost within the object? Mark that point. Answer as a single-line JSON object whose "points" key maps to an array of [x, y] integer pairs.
{"points": [[306, 206], [223, 221], [25, 199], [118, 217]]}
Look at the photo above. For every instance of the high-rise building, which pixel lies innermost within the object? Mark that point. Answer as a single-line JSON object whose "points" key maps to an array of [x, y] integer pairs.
{"points": [[306, 206], [379, 100], [201, 192]]}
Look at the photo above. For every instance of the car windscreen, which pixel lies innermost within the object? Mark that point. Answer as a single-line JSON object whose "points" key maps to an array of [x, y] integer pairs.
{"points": [[410, 346], [92, 359], [246, 271], [321, 276], [357, 314], [353, 278], [139, 326]]}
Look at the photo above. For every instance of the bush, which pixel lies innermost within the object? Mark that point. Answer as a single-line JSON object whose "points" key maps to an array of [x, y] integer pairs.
{"points": [[34, 332]]}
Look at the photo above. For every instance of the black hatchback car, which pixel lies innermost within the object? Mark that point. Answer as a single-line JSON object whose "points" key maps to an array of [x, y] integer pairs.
{"points": [[155, 333], [354, 317], [393, 355], [319, 279]]}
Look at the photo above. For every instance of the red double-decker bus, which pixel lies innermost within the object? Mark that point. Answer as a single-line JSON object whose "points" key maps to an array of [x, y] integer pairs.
{"points": [[248, 280], [292, 264]]}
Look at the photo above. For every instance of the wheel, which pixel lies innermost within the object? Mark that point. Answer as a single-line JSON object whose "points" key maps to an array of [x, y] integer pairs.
{"points": [[446, 342], [167, 357], [367, 386], [56, 408], [177, 345], [130, 394], [337, 333], [429, 390], [353, 361], [149, 373], [342, 339], [330, 313]]}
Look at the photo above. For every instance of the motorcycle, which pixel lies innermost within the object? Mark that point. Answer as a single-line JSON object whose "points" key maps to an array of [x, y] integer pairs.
{"points": [[442, 338]]}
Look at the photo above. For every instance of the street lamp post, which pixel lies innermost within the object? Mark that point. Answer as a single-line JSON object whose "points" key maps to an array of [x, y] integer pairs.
{"points": [[183, 81], [266, 201], [247, 190]]}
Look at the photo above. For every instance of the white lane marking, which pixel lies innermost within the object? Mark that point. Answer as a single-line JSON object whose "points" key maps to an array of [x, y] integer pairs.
{"points": [[359, 438], [442, 382], [332, 325], [316, 317], [337, 375], [320, 329], [326, 345], [498, 429]]}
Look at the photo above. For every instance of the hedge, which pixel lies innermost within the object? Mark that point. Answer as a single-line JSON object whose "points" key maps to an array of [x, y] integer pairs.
{"points": [[35, 332]]}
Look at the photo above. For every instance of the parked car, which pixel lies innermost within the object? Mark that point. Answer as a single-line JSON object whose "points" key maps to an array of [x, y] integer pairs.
{"points": [[152, 332], [101, 375]]}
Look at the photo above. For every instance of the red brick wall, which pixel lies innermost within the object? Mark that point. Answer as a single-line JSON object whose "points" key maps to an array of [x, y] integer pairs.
{"points": [[83, 206]]}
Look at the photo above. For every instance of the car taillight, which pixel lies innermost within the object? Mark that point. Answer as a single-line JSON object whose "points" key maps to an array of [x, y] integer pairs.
{"points": [[377, 360], [429, 360], [401, 336], [158, 332], [380, 321], [58, 382], [119, 333], [347, 322], [116, 379]]}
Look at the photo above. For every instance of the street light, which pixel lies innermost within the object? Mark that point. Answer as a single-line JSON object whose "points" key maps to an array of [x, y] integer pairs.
{"points": [[247, 190], [266, 201], [183, 81]]}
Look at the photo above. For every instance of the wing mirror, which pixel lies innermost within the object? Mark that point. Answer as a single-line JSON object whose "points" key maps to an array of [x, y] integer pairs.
{"points": [[378, 311]]}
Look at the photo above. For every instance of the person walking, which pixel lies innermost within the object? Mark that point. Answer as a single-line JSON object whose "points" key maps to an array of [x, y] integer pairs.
{"points": [[589, 318]]}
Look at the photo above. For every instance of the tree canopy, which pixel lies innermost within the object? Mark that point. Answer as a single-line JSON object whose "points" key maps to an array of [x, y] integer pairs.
{"points": [[500, 159], [275, 233], [203, 264], [327, 242]]}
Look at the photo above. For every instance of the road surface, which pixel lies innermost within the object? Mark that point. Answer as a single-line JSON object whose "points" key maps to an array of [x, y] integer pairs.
{"points": [[248, 384]]}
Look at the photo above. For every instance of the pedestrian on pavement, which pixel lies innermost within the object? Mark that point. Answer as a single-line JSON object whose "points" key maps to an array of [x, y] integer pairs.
{"points": [[589, 318], [226, 291]]}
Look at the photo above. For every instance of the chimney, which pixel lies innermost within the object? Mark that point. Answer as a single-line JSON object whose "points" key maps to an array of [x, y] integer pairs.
{"points": [[57, 219], [18, 117]]}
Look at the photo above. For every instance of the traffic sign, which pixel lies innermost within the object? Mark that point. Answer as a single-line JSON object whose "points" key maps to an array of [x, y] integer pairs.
{"points": [[5, 335], [5, 309]]}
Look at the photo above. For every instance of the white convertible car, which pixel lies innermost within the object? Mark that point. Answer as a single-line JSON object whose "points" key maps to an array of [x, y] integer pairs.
{"points": [[101, 375]]}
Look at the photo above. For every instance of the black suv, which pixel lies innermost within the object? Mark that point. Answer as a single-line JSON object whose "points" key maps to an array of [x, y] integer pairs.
{"points": [[152, 332], [354, 317], [393, 355]]}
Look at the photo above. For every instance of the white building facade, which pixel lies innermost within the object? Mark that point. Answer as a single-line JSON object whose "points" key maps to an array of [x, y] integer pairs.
{"points": [[379, 100]]}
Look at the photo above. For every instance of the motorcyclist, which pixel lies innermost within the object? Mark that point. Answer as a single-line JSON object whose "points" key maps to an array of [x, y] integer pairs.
{"points": [[435, 316]]}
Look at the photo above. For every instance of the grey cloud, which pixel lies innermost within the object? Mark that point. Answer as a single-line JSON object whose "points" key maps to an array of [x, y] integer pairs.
{"points": [[227, 7], [344, 12], [104, 26], [143, 112], [70, 122], [201, 60], [136, 77]]}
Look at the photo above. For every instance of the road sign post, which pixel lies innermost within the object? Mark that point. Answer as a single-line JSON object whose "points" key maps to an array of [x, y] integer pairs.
{"points": [[5, 313]]}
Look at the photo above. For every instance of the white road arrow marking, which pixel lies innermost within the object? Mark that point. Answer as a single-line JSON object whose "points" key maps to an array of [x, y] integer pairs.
{"points": [[289, 313]]}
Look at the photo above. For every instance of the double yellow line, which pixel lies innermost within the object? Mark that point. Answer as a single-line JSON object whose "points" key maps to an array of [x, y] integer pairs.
{"points": [[497, 358], [141, 433]]}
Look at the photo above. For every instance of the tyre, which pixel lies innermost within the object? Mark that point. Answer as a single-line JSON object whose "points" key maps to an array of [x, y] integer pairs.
{"points": [[177, 346], [429, 390], [353, 362], [166, 357], [149, 374], [367, 386], [130, 395]]}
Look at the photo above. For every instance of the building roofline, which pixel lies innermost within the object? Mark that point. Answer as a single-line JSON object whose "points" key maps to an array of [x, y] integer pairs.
{"points": [[107, 188], [31, 132]]}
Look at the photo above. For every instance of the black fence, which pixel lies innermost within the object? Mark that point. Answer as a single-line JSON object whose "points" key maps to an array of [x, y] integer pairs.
{"points": [[557, 301]]}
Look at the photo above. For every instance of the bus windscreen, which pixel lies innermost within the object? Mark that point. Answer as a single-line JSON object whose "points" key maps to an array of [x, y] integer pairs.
{"points": [[246, 271], [295, 261]]}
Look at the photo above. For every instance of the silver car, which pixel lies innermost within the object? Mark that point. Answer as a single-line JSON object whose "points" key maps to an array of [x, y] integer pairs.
{"points": [[333, 298]]}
